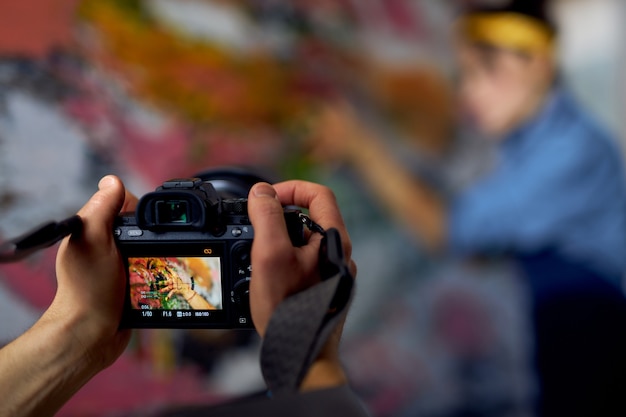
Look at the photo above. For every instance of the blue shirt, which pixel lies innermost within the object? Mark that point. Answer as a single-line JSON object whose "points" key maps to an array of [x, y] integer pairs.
{"points": [[558, 185]]}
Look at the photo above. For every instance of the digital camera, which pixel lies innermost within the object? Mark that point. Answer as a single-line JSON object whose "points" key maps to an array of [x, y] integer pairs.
{"points": [[186, 251]]}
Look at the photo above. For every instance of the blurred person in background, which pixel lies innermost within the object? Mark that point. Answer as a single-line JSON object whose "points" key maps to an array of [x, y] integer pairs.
{"points": [[558, 181], [554, 201]]}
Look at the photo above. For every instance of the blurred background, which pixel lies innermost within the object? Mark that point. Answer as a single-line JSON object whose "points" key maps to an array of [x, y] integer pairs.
{"points": [[156, 89]]}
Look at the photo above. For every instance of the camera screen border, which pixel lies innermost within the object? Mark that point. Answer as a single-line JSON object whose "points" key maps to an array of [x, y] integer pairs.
{"points": [[170, 318]]}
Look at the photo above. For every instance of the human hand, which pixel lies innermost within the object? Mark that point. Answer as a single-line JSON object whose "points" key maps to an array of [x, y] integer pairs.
{"points": [[279, 269], [174, 285], [338, 133], [91, 277], [78, 335]]}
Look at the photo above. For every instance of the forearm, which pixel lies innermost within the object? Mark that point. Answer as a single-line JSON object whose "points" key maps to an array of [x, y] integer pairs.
{"points": [[405, 196], [323, 374], [196, 301], [326, 371], [42, 369]]}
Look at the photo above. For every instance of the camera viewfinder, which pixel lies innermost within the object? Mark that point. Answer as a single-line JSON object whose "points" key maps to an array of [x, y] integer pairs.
{"points": [[172, 212]]}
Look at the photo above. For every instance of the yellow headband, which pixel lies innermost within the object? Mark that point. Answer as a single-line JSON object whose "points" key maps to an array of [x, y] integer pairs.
{"points": [[508, 30]]}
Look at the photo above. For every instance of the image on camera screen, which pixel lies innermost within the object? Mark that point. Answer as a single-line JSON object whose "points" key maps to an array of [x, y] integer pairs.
{"points": [[183, 283]]}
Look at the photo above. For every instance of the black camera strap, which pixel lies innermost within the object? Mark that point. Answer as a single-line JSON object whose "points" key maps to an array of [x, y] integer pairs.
{"points": [[298, 330], [39, 238], [302, 323]]}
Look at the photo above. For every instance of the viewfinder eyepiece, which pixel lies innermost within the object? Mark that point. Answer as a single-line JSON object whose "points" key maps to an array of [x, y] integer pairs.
{"points": [[172, 212]]}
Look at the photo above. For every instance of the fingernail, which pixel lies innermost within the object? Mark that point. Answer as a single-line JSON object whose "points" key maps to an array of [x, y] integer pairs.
{"points": [[264, 190], [106, 182]]}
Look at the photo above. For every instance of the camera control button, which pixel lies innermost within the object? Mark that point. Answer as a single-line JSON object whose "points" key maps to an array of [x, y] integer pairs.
{"points": [[135, 232], [240, 293], [241, 254], [117, 232], [236, 232]]}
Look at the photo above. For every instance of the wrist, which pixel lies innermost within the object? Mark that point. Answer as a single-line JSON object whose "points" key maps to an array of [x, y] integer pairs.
{"points": [[77, 337], [90, 340], [189, 295], [46, 366], [324, 373]]}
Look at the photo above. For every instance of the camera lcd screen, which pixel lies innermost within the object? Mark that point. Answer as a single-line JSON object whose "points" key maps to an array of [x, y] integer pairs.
{"points": [[175, 283]]}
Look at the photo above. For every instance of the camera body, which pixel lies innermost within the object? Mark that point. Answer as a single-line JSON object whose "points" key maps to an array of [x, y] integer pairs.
{"points": [[186, 251]]}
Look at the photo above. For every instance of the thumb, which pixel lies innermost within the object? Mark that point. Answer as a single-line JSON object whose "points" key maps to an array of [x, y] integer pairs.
{"points": [[104, 205], [271, 253], [93, 251], [267, 218]]}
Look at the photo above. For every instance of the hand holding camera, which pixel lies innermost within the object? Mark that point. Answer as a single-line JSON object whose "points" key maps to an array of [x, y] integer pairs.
{"points": [[80, 334], [186, 250]]}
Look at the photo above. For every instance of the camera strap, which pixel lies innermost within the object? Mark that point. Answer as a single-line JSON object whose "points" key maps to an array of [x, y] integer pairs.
{"points": [[39, 238], [298, 330], [303, 322]]}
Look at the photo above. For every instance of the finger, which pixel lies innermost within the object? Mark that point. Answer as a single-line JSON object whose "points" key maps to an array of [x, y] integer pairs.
{"points": [[130, 202], [94, 248], [100, 211], [320, 201], [267, 217], [353, 268]]}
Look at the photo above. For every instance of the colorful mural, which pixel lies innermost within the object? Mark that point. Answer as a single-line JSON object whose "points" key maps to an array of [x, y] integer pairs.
{"points": [[157, 89]]}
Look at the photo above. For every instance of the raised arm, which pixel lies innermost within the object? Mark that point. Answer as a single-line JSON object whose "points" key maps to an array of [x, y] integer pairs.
{"points": [[406, 197]]}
